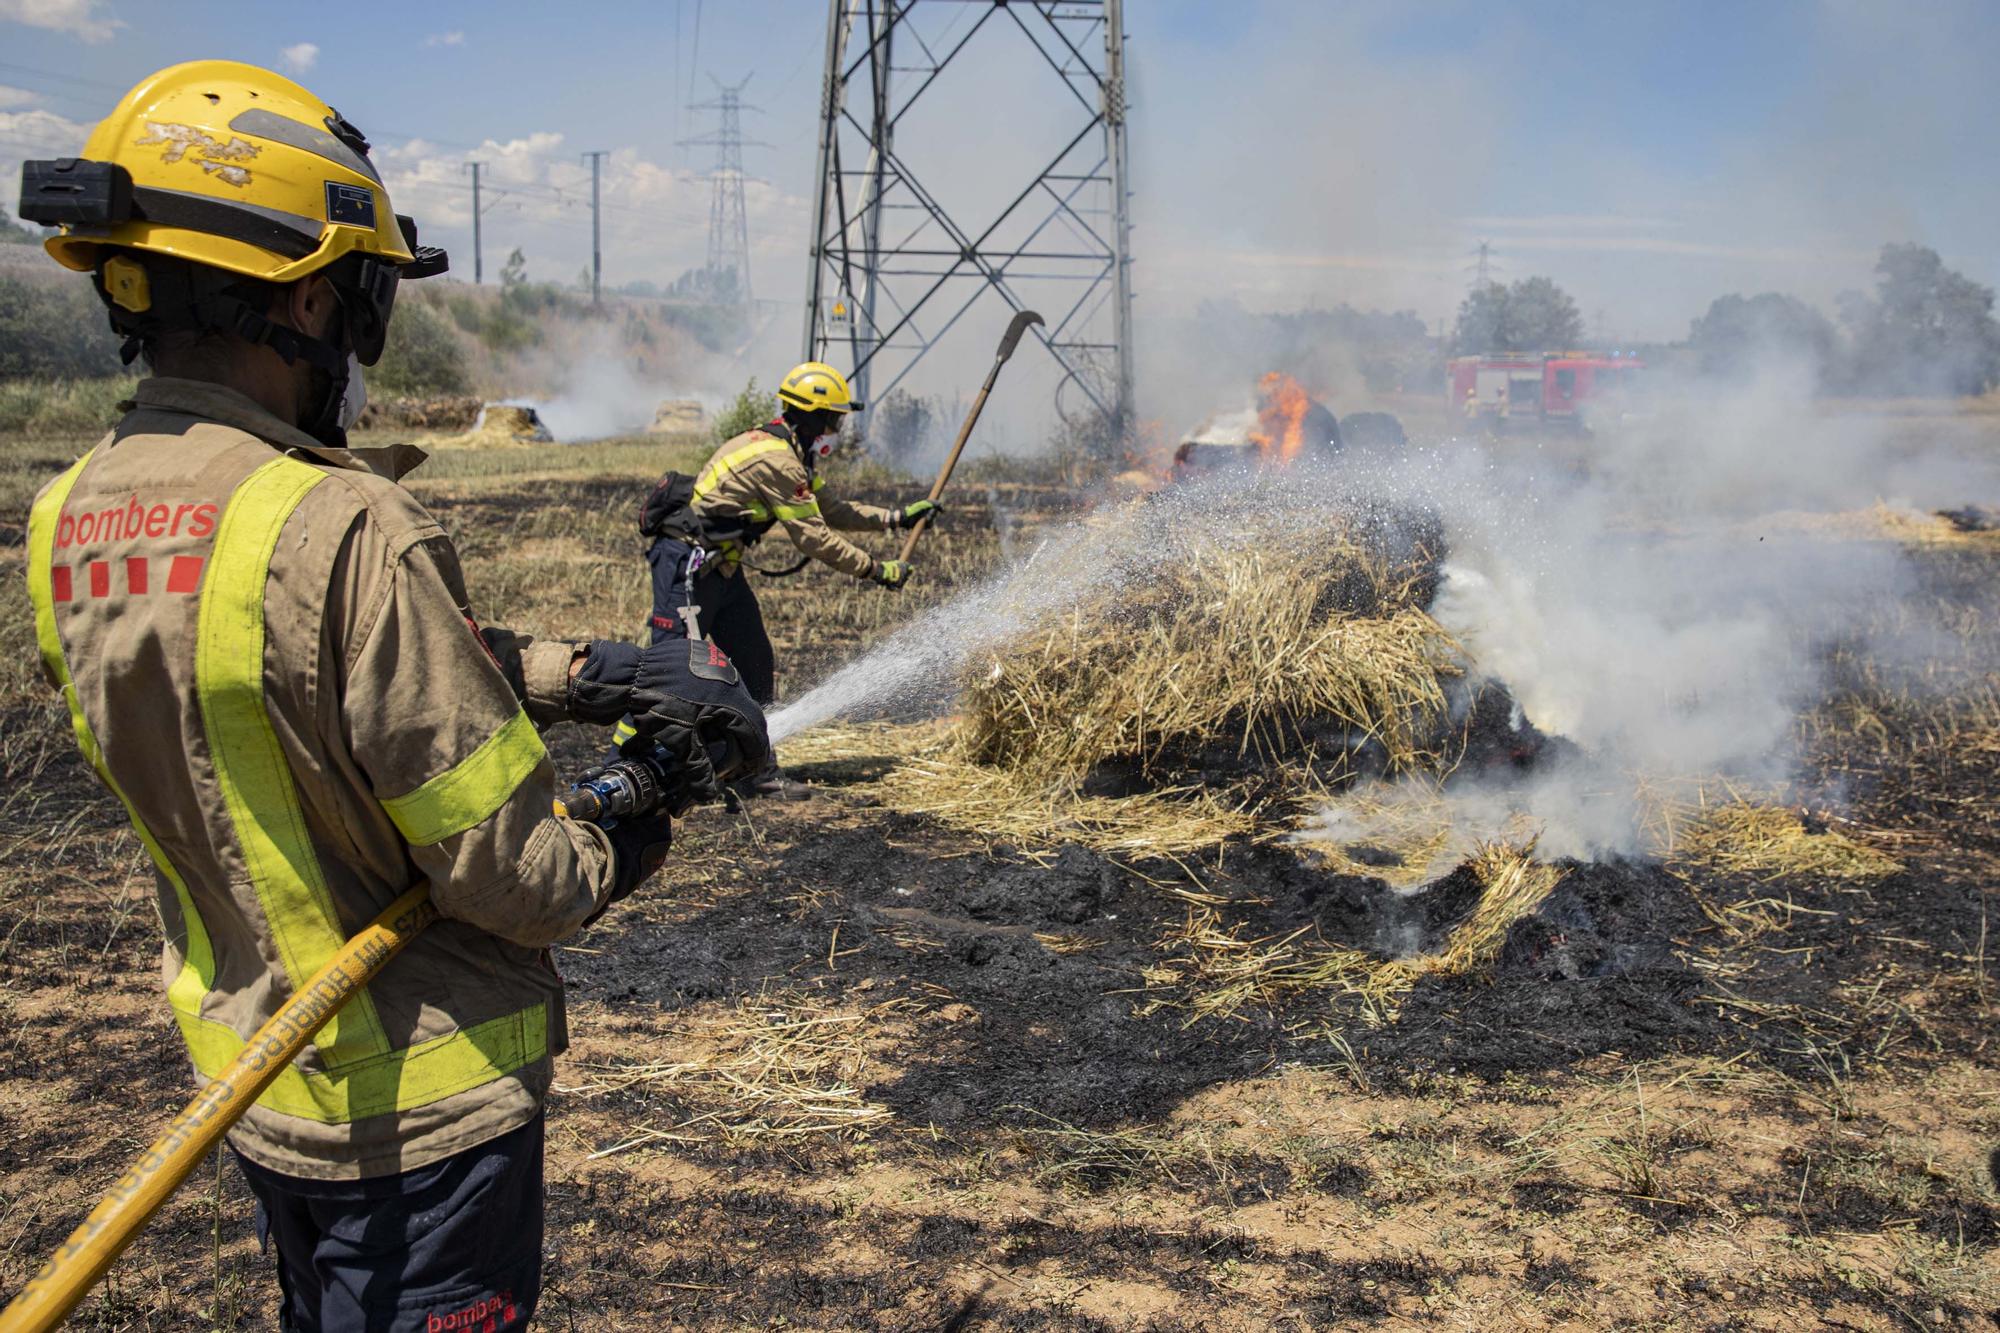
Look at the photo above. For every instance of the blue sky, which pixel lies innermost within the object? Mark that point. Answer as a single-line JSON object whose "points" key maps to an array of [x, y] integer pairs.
{"points": [[1647, 155]]}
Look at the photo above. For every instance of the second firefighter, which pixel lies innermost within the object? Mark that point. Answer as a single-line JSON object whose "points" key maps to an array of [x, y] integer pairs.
{"points": [[700, 527]]}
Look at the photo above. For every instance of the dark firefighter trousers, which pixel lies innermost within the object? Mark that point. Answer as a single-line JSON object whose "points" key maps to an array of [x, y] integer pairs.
{"points": [[454, 1245], [726, 612]]}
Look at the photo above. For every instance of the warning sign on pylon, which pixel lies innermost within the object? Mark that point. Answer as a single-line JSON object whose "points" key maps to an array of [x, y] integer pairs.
{"points": [[838, 315]]}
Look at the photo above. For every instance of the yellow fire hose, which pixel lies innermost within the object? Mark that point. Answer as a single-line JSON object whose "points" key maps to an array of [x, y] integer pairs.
{"points": [[92, 1248]]}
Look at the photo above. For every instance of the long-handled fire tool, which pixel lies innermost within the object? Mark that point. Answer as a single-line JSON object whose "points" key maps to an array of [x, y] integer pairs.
{"points": [[1008, 341], [634, 786]]}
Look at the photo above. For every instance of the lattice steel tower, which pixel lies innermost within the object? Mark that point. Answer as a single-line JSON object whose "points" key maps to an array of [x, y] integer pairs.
{"points": [[728, 224], [893, 269]]}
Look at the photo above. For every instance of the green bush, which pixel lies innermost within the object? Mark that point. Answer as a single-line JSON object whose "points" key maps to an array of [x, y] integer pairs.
{"points": [[62, 407], [423, 357], [54, 328], [466, 311], [750, 410]]}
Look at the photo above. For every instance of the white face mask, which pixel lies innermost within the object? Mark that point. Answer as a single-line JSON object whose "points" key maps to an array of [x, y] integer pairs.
{"points": [[355, 397]]}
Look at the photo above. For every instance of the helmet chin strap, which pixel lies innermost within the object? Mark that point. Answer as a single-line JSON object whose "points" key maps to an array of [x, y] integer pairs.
{"points": [[336, 373], [337, 407], [186, 296]]}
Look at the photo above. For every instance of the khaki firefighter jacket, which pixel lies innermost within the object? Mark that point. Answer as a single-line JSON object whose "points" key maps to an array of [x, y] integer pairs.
{"points": [[267, 654], [757, 481]]}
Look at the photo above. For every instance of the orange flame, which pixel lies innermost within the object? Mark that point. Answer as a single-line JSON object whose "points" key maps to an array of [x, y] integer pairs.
{"points": [[1281, 417]]}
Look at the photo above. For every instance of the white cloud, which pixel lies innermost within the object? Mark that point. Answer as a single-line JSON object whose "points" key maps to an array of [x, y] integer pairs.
{"points": [[11, 98], [536, 193], [300, 58], [79, 18], [456, 37], [26, 134]]}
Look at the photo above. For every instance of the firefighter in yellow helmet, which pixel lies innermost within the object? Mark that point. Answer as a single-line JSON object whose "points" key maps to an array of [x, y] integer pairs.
{"points": [[701, 526], [267, 653]]}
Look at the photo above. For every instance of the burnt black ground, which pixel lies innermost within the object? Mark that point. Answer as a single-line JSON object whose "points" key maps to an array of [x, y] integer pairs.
{"points": [[1602, 967]]}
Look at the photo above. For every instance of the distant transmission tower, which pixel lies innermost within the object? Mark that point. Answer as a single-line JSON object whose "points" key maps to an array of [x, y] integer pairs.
{"points": [[893, 269], [1482, 273], [728, 223]]}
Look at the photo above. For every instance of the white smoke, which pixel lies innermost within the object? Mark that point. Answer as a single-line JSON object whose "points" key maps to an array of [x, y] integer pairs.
{"points": [[1665, 593], [598, 392]]}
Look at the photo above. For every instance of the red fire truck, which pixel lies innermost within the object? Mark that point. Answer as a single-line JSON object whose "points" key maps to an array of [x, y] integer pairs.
{"points": [[1549, 388]]}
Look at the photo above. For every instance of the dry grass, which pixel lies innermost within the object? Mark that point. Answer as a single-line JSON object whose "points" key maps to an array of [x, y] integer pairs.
{"points": [[773, 1067], [1766, 842], [1880, 522], [1171, 823], [1397, 832], [1218, 973], [1075, 1157]]}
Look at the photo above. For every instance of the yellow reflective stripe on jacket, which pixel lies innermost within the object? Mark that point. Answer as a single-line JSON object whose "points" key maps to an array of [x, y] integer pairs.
{"points": [[623, 732], [394, 1081], [711, 476], [759, 512], [197, 972], [817, 482], [250, 765], [466, 794]]}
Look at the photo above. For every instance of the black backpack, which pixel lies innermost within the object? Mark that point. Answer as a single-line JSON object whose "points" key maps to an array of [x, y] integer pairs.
{"points": [[669, 510]]}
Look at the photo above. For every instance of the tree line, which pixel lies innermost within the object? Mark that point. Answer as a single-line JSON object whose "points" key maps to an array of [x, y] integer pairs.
{"points": [[1926, 330]]}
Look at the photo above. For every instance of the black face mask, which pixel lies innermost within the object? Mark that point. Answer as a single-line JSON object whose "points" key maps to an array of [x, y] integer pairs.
{"points": [[808, 427]]}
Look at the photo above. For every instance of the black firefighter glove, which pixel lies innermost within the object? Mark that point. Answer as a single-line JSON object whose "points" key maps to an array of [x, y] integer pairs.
{"points": [[893, 574], [601, 689], [639, 845], [688, 700]]}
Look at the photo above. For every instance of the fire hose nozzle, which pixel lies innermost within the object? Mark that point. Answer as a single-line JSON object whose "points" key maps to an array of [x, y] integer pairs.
{"points": [[634, 786]]}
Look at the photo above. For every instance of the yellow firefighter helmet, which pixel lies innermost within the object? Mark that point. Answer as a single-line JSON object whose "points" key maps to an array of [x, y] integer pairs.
{"points": [[237, 169], [816, 386]]}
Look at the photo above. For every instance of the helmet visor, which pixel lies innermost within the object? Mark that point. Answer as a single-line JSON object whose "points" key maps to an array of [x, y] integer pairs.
{"points": [[367, 288]]}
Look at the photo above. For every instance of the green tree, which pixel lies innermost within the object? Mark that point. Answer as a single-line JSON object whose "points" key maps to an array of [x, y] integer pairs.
{"points": [[1532, 315], [1928, 330], [1482, 320], [423, 356], [512, 325], [1543, 315], [901, 425], [1740, 333], [751, 409]]}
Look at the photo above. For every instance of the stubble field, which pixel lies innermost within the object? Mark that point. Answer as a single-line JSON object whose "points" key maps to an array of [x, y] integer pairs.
{"points": [[847, 1066]]}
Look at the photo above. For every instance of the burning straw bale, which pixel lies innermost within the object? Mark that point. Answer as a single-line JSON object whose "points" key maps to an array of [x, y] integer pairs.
{"points": [[1159, 711], [500, 426], [1251, 651]]}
